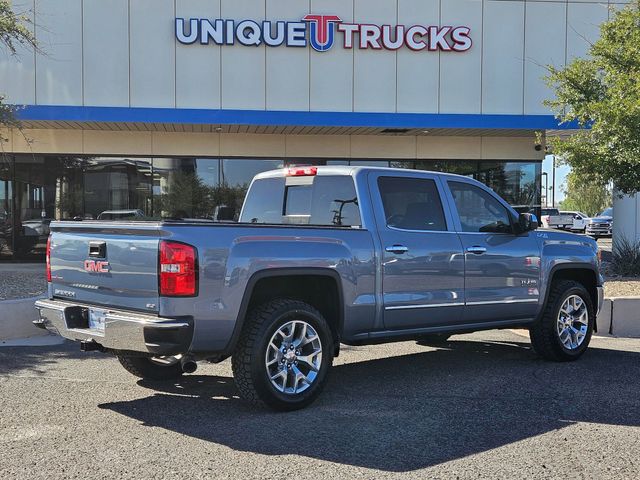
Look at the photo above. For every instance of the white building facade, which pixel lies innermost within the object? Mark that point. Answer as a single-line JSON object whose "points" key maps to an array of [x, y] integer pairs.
{"points": [[130, 100]]}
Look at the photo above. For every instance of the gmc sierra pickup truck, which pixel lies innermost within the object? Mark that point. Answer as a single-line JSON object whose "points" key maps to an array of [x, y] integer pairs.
{"points": [[321, 256]]}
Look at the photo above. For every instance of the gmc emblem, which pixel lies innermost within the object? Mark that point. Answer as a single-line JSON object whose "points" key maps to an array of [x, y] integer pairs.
{"points": [[96, 266]]}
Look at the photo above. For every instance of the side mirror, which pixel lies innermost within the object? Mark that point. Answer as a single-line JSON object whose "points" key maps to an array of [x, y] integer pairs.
{"points": [[527, 222]]}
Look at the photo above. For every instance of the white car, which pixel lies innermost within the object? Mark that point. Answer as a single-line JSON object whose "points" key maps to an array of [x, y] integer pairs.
{"points": [[580, 221]]}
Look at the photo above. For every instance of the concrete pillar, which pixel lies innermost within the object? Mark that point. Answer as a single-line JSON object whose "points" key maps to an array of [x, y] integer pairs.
{"points": [[626, 223]]}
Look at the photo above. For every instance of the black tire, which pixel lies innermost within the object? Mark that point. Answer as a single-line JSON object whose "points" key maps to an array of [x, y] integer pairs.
{"points": [[434, 340], [544, 333], [249, 362], [145, 368]]}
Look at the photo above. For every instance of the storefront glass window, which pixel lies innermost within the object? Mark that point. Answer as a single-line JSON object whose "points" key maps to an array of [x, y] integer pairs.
{"points": [[117, 188], [236, 178], [6, 195], [184, 187], [517, 182], [36, 189]]}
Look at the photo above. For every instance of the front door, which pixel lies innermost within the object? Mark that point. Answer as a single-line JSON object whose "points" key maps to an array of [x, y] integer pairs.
{"points": [[502, 268], [422, 261]]}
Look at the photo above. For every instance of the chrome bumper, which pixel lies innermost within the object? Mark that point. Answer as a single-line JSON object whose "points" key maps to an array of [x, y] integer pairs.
{"points": [[600, 298], [128, 331], [598, 231]]}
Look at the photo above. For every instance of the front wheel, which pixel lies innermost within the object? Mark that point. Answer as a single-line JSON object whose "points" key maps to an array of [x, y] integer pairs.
{"points": [[283, 356], [564, 331]]}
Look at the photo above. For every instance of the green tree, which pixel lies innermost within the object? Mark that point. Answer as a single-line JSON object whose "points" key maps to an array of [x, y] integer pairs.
{"points": [[602, 94], [188, 196], [14, 31], [584, 195]]}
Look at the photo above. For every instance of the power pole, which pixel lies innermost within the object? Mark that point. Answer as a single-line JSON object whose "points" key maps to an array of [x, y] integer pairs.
{"points": [[546, 189], [553, 184]]}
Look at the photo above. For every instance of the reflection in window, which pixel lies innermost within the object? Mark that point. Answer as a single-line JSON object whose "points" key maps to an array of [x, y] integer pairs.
{"points": [[412, 204], [183, 187], [323, 200], [117, 187], [6, 195], [236, 178], [516, 182], [478, 210], [36, 189]]}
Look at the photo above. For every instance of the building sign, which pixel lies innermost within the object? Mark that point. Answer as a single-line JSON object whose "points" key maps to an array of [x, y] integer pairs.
{"points": [[321, 32]]}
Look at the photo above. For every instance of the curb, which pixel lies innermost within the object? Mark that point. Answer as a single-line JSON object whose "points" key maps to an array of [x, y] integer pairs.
{"points": [[16, 317], [620, 317], [625, 316]]}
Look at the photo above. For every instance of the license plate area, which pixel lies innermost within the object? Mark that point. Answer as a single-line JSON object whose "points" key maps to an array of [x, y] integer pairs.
{"points": [[83, 318], [97, 320]]}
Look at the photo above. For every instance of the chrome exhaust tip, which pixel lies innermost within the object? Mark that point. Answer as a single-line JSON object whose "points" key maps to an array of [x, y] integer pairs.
{"points": [[188, 364]]}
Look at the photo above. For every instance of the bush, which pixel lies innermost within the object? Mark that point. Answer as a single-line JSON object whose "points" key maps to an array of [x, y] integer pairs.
{"points": [[625, 260]]}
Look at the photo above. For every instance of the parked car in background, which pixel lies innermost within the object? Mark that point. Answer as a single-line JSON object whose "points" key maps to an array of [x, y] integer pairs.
{"points": [[321, 256], [580, 221], [552, 218], [601, 225], [546, 214]]}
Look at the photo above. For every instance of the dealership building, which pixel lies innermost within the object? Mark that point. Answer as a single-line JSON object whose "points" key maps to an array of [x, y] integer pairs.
{"points": [[159, 106]]}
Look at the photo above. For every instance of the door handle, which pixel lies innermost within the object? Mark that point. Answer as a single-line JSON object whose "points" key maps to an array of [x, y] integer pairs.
{"points": [[477, 250], [399, 249]]}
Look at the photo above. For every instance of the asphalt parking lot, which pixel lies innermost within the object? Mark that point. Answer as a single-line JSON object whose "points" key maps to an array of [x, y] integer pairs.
{"points": [[484, 406]]}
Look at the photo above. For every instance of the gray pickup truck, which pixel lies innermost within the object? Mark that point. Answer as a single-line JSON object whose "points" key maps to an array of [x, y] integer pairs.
{"points": [[320, 256]]}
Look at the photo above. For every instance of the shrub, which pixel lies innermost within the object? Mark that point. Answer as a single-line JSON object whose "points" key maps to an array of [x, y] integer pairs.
{"points": [[625, 259]]}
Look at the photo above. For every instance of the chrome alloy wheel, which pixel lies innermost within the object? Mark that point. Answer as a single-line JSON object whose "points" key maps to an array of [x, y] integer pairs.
{"points": [[294, 357], [573, 322]]}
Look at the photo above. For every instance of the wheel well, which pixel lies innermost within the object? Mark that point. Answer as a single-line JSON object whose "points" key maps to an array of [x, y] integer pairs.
{"points": [[319, 291], [584, 276]]}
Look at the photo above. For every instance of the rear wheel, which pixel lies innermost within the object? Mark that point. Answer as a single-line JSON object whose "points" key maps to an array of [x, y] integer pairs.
{"points": [[564, 331], [154, 368], [283, 356]]}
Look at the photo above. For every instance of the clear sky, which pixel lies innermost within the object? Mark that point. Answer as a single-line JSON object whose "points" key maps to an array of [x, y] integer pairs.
{"points": [[561, 176]]}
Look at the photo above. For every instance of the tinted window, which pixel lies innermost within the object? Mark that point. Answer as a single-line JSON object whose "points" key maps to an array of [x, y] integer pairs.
{"points": [[326, 200], [412, 203], [335, 202], [264, 202], [478, 210], [298, 200]]}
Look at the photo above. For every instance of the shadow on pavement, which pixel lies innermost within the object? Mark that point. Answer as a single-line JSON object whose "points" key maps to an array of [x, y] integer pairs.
{"points": [[35, 360], [409, 412]]}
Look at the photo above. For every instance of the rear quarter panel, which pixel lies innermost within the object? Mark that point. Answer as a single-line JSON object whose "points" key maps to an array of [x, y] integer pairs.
{"points": [[230, 255]]}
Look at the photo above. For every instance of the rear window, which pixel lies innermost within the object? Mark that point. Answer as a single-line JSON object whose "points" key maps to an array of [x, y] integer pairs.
{"points": [[320, 200]]}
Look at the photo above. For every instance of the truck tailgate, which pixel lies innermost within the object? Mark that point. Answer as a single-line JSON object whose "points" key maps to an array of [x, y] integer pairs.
{"points": [[107, 266]]}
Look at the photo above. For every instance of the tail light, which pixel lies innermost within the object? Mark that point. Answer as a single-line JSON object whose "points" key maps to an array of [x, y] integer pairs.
{"points": [[48, 258], [178, 269]]}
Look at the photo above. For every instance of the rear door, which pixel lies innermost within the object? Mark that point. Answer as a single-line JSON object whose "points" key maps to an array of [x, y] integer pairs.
{"points": [[502, 269], [106, 265], [422, 261]]}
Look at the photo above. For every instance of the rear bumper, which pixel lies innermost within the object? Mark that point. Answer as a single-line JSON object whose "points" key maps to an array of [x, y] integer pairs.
{"points": [[124, 331]]}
